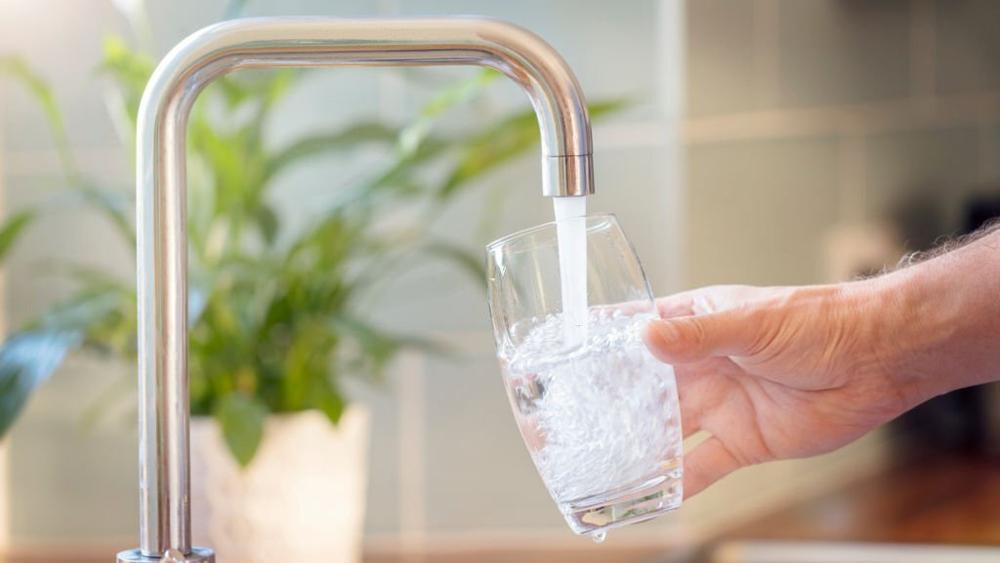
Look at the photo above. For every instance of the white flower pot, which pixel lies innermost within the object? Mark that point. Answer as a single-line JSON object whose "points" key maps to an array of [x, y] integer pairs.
{"points": [[302, 496]]}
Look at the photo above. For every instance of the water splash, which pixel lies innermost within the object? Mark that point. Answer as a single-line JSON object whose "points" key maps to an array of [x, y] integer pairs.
{"points": [[599, 536]]}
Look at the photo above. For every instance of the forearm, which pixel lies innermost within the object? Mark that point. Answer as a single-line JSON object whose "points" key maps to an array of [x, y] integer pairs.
{"points": [[943, 327]]}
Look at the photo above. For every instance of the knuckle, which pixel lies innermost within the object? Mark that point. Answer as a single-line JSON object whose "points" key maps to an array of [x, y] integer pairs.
{"points": [[697, 332]]}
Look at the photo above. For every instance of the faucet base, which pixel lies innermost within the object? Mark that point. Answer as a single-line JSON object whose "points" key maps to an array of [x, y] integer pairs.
{"points": [[197, 555]]}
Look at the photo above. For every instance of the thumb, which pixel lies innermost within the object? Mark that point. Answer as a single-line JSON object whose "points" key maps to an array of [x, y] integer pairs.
{"points": [[689, 339]]}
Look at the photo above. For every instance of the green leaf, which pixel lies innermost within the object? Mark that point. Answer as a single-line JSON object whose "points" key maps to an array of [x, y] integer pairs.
{"points": [[413, 135], [86, 308], [604, 108], [101, 317], [326, 398], [470, 262], [242, 421], [12, 230], [39, 88], [374, 346], [26, 360], [109, 205], [261, 89], [30, 356], [267, 221], [327, 142], [129, 69], [114, 206], [486, 151], [90, 276]]}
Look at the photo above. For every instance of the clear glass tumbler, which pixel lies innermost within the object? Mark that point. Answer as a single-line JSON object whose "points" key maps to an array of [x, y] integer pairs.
{"points": [[598, 413]]}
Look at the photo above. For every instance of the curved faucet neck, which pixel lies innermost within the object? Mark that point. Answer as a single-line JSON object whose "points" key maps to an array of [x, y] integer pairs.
{"points": [[162, 202]]}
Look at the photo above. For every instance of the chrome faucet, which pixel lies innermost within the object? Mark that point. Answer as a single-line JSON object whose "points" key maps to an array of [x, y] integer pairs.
{"points": [[161, 184]]}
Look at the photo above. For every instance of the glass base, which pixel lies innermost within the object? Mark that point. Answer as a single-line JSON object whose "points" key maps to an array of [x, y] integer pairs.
{"points": [[639, 502]]}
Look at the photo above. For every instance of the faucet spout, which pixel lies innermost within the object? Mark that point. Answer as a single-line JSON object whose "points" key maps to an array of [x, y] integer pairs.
{"points": [[161, 178]]}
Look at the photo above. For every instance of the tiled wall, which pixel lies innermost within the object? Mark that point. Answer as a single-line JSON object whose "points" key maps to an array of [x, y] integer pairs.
{"points": [[800, 115], [806, 115]]}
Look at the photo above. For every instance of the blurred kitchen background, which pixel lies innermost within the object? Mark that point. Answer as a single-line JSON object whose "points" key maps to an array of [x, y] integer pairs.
{"points": [[764, 142]]}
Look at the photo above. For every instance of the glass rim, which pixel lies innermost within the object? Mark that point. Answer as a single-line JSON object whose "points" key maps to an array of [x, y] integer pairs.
{"points": [[543, 226]]}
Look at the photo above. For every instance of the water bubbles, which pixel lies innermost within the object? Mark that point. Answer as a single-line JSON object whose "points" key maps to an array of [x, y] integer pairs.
{"points": [[595, 417], [599, 536]]}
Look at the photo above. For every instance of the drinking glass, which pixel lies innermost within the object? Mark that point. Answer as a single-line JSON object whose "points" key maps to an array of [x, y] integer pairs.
{"points": [[597, 412]]}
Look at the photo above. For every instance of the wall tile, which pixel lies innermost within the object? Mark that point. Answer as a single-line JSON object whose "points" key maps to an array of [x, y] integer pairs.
{"points": [[990, 154], [382, 400], [757, 211], [479, 474], [68, 64], [926, 174], [66, 234], [968, 45], [720, 57], [611, 47], [843, 51], [640, 186], [72, 483]]}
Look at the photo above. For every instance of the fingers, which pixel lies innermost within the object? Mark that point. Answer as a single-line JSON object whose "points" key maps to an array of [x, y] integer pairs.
{"points": [[709, 299], [700, 389], [706, 464], [690, 423], [677, 305], [693, 338]]}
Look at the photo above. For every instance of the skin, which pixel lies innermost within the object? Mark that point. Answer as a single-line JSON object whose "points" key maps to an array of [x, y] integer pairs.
{"points": [[787, 372]]}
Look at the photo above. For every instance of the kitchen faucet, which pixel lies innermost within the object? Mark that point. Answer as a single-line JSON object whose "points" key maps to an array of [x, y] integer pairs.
{"points": [[161, 185]]}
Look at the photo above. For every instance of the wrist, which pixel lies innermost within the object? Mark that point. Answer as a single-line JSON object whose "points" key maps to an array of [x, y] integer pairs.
{"points": [[917, 317]]}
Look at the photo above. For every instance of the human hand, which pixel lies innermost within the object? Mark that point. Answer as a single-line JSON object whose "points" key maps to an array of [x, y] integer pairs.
{"points": [[781, 372]]}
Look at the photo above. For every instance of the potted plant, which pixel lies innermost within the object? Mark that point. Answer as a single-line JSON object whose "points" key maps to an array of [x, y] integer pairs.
{"points": [[278, 451]]}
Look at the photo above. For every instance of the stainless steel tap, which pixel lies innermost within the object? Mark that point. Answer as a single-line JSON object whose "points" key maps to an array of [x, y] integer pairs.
{"points": [[161, 180]]}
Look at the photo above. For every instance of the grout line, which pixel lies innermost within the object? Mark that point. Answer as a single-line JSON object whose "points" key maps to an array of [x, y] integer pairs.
{"points": [[670, 66], [412, 460], [670, 48], [766, 52], [894, 115], [623, 136]]}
